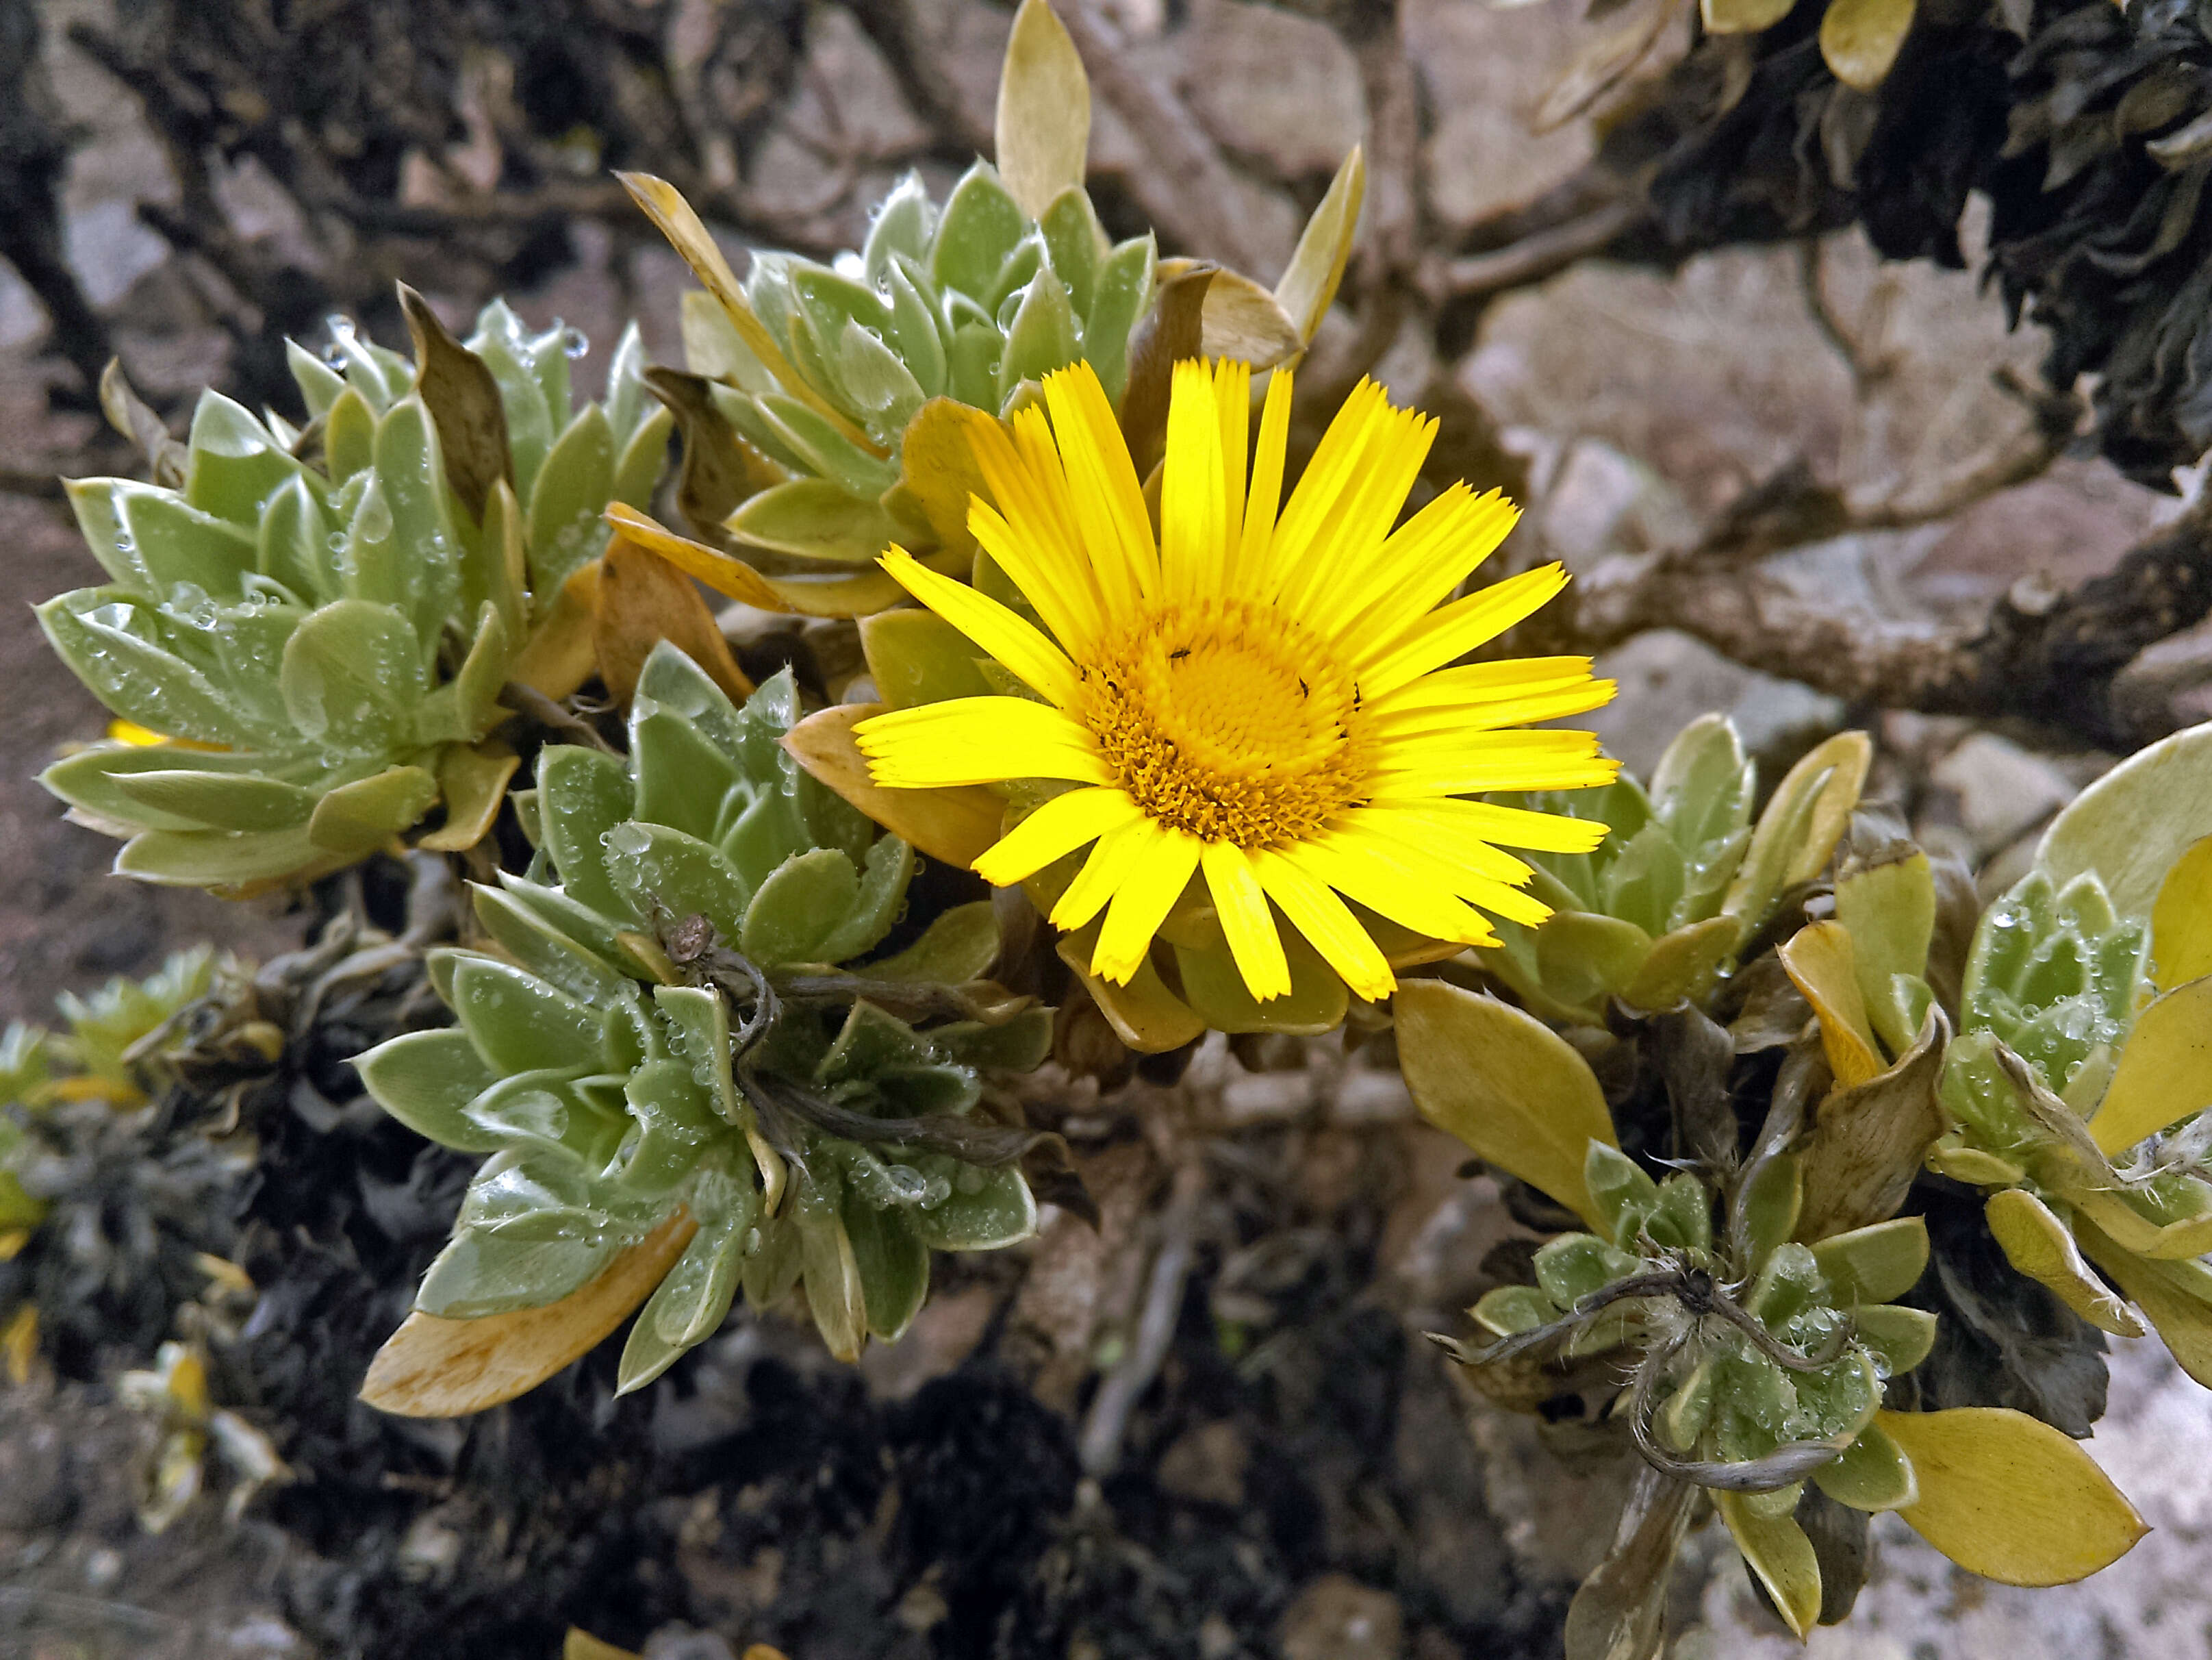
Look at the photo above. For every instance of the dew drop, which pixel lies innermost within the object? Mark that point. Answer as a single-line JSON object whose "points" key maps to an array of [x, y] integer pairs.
{"points": [[575, 343]]}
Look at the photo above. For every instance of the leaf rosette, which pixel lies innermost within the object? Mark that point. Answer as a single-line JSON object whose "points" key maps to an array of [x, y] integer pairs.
{"points": [[656, 1030], [307, 630]]}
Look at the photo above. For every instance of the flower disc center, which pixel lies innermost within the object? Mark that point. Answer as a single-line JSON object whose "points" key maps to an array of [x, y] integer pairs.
{"points": [[1229, 720]]}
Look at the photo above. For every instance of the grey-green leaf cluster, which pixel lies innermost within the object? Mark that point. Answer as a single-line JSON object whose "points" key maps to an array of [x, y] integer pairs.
{"points": [[973, 301], [655, 1020], [1682, 878], [317, 622], [1720, 1405]]}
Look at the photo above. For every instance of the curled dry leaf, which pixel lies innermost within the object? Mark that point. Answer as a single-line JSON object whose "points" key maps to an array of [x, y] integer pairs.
{"points": [[1603, 62], [1868, 1142], [463, 399], [1822, 964], [1043, 131], [645, 599], [676, 220], [1619, 1612], [432, 1367], [1310, 282]]}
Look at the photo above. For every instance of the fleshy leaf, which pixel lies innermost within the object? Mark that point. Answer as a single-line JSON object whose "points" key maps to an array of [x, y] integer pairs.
{"points": [[2011, 1498], [1506, 1084]]}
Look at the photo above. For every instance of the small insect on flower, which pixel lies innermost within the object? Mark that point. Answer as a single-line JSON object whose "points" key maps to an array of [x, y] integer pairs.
{"points": [[1257, 696]]}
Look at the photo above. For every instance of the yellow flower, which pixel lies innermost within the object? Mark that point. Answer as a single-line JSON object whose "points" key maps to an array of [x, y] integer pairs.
{"points": [[1259, 698]]}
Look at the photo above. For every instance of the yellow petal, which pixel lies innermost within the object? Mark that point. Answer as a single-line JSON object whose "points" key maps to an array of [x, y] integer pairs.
{"points": [[955, 826], [1108, 497], [1103, 873], [1544, 759], [1264, 499], [977, 740], [1427, 557], [1547, 703], [997, 631], [2009, 1498], [1242, 904], [1329, 929], [1157, 876], [1031, 532], [1362, 870], [1457, 629], [1512, 827], [1194, 489], [1055, 830]]}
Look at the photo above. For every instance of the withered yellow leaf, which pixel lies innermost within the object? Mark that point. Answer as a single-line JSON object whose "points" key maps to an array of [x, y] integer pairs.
{"points": [[728, 576], [1310, 282], [1144, 1013], [2009, 1498], [1776, 1549], [433, 1367], [1861, 39], [2165, 1070], [2181, 919], [645, 599], [2042, 1247], [1506, 1084], [1743, 16], [1821, 963], [1044, 130], [559, 657], [956, 824], [473, 778]]}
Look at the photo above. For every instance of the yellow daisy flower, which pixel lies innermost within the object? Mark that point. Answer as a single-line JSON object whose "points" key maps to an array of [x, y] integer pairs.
{"points": [[1259, 698]]}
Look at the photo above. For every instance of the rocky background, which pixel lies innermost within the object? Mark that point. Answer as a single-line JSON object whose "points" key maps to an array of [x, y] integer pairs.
{"points": [[1320, 1499]]}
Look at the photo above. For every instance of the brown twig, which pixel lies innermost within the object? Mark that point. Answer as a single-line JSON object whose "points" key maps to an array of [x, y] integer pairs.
{"points": [[1122, 1388]]}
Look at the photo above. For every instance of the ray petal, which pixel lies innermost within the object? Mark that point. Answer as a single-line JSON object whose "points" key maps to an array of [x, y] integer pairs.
{"points": [[1155, 880], [1103, 874], [1055, 830], [977, 740], [1265, 497], [1108, 497], [1512, 827], [1316, 912], [1027, 527], [1415, 574], [1456, 628], [1362, 868], [1549, 703], [997, 631], [1242, 904], [1193, 494]]}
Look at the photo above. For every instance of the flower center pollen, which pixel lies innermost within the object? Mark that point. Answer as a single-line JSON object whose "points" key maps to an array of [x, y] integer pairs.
{"points": [[1229, 720]]}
